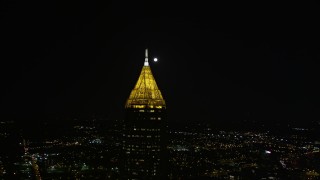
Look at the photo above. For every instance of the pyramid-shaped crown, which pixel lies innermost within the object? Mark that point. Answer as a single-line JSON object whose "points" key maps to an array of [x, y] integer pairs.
{"points": [[146, 93]]}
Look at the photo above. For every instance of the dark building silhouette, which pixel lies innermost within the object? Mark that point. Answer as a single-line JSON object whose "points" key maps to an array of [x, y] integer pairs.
{"points": [[144, 129]]}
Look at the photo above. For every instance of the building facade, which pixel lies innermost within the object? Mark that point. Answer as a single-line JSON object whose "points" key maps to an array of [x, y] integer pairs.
{"points": [[144, 129]]}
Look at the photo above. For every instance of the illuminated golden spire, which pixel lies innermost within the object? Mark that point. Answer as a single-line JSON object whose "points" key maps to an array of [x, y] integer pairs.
{"points": [[146, 93]]}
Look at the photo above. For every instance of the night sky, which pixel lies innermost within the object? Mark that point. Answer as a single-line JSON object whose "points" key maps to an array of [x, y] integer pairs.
{"points": [[217, 63]]}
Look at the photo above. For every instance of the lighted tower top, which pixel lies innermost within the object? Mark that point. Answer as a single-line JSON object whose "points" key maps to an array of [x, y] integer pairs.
{"points": [[146, 93], [146, 61]]}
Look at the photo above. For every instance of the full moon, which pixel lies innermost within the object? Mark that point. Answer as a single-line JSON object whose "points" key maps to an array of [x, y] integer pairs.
{"points": [[155, 59]]}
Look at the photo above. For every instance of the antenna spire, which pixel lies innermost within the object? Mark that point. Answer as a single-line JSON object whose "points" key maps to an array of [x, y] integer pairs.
{"points": [[146, 62]]}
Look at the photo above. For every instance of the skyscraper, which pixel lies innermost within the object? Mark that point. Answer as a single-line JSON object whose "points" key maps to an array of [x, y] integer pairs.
{"points": [[143, 142]]}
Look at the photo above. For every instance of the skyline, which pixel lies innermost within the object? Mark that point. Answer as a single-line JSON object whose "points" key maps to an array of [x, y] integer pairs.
{"points": [[86, 59]]}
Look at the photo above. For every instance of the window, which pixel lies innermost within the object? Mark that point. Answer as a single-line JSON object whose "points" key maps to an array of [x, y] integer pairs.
{"points": [[138, 106]]}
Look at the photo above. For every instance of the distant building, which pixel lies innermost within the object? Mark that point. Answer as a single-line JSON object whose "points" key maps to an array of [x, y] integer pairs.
{"points": [[144, 133]]}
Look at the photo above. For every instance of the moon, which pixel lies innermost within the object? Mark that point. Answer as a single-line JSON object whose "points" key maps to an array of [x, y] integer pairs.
{"points": [[155, 59]]}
